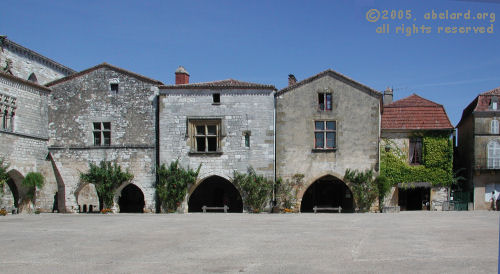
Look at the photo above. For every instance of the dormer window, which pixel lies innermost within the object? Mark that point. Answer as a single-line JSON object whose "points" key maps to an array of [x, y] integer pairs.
{"points": [[494, 103], [325, 101]]}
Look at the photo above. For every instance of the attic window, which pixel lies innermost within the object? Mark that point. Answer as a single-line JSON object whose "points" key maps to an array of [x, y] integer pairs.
{"points": [[325, 101], [33, 78], [216, 98], [114, 88], [494, 103]]}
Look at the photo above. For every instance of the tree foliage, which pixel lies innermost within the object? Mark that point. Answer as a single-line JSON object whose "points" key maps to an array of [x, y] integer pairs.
{"points": [[437, 166], [172, 185], [255, 189], [32, 181], [106, 177], [286, 191], [383, 187], [363, 187]]}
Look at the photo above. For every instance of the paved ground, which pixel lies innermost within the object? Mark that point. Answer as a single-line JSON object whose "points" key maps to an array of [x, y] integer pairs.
{"points": [[408, 242]]}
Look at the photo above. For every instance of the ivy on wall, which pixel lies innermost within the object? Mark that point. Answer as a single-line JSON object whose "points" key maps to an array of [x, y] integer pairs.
{"points": [[437, 167]]}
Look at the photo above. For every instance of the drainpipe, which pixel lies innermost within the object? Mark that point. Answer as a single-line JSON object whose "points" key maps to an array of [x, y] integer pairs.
{"points": [[274, 152]]}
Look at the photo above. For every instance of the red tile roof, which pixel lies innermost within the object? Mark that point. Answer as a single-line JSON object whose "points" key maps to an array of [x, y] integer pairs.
{"points": [[415, 112], [483, 103], [221, 84]]}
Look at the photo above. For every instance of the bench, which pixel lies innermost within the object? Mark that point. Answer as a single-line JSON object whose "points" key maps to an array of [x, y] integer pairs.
{"points": [[225, 208], [316, 209]]}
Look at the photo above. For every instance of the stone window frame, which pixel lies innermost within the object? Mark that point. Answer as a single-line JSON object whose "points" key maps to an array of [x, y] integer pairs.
{"points": [[325, 100], [111, 83], [194, 137], [246, 138], [493, 154], [325, 131], [8, 107], [494, 128], [103, 131]]}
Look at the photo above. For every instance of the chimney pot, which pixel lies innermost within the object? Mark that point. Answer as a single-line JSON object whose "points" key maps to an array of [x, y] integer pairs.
{"points": [[291, 79], [181, 76]]}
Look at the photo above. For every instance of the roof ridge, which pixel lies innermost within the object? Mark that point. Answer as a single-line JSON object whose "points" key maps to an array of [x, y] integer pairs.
{"points": [[405, 102], [491, 92]]}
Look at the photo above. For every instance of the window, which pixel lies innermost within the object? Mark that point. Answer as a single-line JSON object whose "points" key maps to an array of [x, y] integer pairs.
{"points": [[102, 133], [7, 112], [415, 151], [325, 134], [325, 101], [205, 135], [493, 155], [247, 138], [216, 98], [114, 88], [494, 103], [494, 127]]}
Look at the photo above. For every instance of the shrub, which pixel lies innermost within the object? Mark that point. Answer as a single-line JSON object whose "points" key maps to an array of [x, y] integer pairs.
{"points": [[286, 192], [106, 210], [363, 187], [3, 174], [106, 177], [32, 181], [383, 187], [255, 189], [3, 212], [172, 184]]}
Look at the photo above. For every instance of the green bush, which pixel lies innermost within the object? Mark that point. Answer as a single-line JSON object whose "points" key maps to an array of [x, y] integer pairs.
{"points": [[255, 189], [32, 181], [106, 177], [363, 187], [383, 187], [3, 174], [172, 185], [286, 191]]}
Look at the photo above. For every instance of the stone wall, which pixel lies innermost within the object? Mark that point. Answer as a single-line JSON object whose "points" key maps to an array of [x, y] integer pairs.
{"points": [[240, 111], [79, 102], [357, 116]]}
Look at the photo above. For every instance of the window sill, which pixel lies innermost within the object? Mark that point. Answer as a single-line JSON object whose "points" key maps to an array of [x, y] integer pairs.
{"points": [[205, 153], [324, 150], [215, 104]]}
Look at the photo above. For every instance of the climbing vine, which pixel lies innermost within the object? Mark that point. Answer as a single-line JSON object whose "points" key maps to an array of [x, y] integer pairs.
{"points": [[437, 158], [106, 177], [172, 185]]}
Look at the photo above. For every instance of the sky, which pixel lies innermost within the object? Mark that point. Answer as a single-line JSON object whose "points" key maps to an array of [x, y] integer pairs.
{"points": [[264, 41]]}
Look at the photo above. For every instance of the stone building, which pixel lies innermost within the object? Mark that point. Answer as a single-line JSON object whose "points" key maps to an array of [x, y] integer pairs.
{"points": [[23, 122], [224, 126], [326, 124], [406, 126], [478, 147], [104, 113]]}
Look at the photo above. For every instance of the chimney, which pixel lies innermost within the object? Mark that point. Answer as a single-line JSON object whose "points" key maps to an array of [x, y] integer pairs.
{"points": [[388, 94], [181, 76], [291, 79]]}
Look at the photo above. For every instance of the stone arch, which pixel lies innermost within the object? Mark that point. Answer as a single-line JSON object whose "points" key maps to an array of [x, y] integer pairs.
{"points": [[327, 191], [15, 192], [86, 195], [131, 199], [59, 202], [214, 191]]}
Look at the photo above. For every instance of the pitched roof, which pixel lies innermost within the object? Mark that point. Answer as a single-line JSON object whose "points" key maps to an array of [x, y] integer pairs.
{"points": [[221, 84], [415, 112], [23, 81], [35, 55], [104, 65], [480, 104], [335, 75]]}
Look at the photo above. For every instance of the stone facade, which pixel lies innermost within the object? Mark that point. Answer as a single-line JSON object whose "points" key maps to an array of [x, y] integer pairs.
{"points": [[241, 111], [25, 62], [356, 111], [477, 146], [81, 105]]}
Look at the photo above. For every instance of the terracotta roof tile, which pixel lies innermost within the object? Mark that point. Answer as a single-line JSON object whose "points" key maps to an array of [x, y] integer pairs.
{"points": [[484, 99], [415, 112], [221, 84]]}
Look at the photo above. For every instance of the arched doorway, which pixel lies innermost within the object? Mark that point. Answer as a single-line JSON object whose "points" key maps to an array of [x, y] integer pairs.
{"points": [[325, 192], [131, 200], [215, 191], [87, 196], [10, 196]]}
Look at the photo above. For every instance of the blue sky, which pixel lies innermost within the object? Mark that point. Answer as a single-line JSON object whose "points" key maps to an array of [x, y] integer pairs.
{"points": [[264, 41]]}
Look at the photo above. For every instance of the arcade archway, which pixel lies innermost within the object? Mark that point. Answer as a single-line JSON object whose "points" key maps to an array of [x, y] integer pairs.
{"points": [[327, 192], [131, 200], [87, 199], [215, 191]]}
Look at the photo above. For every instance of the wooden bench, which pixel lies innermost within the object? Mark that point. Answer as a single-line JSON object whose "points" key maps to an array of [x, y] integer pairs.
{"points": [[316, 209], [225, 208]]}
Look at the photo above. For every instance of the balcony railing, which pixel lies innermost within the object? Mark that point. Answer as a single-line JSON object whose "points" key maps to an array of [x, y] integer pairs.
{"points": [[487, 163]]}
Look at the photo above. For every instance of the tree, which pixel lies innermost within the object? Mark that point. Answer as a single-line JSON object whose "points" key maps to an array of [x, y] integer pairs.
{"points": [[32, 181], [383, 187], [172, 184], [255, 189], [363, 187], [106, 177]]}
